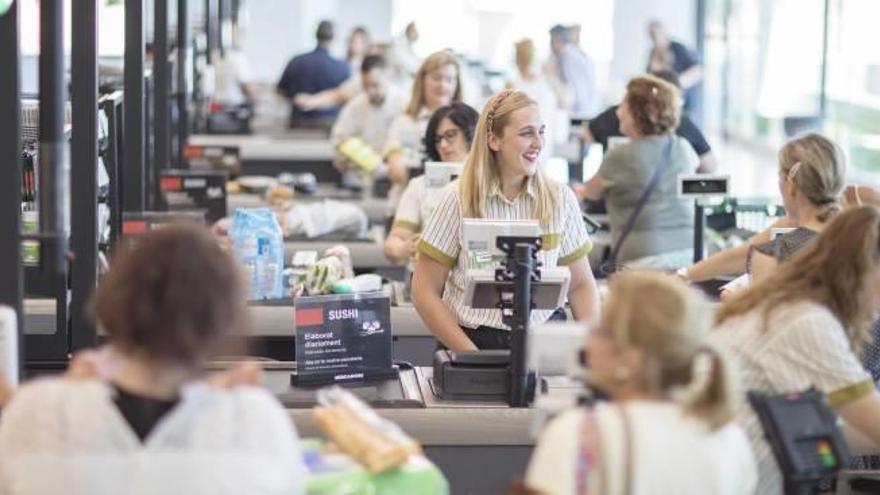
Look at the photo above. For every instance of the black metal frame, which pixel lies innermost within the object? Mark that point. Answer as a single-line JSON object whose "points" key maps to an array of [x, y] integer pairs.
{"points": [[112, 105], [522, 269], [12, 288], [134, 179], [183, 44], [83, 177], [51, 275], [161, 154]]}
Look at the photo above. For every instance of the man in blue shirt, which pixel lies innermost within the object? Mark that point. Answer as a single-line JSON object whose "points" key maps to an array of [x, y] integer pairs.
{"points": [[311, 73]]}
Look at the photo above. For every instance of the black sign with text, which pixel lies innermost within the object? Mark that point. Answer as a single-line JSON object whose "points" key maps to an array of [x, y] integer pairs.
{"points": [[343, 338]]}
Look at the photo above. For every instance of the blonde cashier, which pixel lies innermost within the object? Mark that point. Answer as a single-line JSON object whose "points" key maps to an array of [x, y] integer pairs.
{"points": [[501, 180]]}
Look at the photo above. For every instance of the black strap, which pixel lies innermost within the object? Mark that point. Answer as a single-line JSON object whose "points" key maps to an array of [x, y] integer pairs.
{"points": [[643, 200]]}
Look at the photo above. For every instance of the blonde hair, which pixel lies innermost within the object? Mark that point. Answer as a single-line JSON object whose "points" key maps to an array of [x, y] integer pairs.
{"points": [[817, 166], [435, 61], [524, 54], [481, 169], [653, 104], [837, 270], [668, 322]]}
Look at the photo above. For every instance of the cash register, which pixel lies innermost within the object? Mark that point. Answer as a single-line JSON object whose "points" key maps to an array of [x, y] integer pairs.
{"points": [[516, 286]]}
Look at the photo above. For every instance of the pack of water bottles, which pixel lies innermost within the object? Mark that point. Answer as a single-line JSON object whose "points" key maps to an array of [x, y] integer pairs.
{"points": [[258, 246]]}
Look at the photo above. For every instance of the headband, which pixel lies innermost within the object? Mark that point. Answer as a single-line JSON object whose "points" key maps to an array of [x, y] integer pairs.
{"points": [[490, 117]]}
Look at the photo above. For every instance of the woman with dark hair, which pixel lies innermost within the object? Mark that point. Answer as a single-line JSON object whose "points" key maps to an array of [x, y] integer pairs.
{"points": [[448, 138], [168, 305]]}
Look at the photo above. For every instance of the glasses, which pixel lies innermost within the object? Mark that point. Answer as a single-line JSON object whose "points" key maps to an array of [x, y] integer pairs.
{"points": [[449, 136]]}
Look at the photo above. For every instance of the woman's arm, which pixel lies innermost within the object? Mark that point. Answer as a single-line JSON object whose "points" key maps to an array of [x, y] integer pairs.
{"points": [[862, 428], [732, 261], [583, 295], [400, 245], [593, 189], [428, 282], [762, 266]]}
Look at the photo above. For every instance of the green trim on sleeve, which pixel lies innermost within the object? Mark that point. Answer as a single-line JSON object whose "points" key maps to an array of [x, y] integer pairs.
{"points": [[848, 394], [550, 241], [406, 224], [577, 254], [436, 255]]}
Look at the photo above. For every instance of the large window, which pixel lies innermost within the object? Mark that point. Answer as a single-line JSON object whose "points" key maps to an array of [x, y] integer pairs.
{"points": [[772, 72]]}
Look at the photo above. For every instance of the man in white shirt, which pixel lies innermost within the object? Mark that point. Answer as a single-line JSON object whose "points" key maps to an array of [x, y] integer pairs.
{"points": [[369, 114], [576, 70]]}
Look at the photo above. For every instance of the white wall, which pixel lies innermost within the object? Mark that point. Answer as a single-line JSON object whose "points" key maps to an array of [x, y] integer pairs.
{"points": [[631, 43], [279, 29]]}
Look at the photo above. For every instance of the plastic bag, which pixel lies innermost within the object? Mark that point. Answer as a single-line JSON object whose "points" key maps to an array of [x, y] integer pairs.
{"points": [[318, 219], [258, 246]]}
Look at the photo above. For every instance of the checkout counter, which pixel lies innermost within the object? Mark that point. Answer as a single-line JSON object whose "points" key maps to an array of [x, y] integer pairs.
{"points": [[272, 155]]}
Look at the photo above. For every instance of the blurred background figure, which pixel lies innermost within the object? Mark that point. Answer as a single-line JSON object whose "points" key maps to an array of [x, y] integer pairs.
{"points": [[312, 73], [671, 55], [546, 89], [576, 70]]}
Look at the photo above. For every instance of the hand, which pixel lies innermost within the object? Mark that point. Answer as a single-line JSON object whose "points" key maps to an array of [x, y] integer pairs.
{"points": [[580, 190], [305, 101], [340, 164], [6, 391], [397, 168]]}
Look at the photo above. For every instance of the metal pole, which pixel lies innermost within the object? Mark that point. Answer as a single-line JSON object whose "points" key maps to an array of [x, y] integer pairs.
{"points": [[183, 43], [699, 231], [161, 97], [823, 81], [134, 193], [522, 307], [12, 287], [53, 148], [84, 179], [210, 30]]}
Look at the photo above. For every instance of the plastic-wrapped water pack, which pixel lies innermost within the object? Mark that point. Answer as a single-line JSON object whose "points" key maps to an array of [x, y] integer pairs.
{"points": [[258, 246]]}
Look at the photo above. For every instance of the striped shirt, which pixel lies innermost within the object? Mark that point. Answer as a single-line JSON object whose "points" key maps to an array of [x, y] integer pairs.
{"points": [[803, 346], [564, 241]]}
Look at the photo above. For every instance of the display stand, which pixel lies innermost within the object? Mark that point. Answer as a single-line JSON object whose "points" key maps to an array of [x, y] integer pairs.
{"points": [[498, 373]]}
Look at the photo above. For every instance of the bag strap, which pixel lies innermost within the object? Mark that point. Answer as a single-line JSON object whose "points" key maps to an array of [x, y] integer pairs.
{"points": [[643, 199], [588, 450], [628, 452]]}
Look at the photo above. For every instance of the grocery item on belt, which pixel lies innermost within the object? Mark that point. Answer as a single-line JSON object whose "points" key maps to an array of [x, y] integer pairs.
{"points": [[258, 246]]}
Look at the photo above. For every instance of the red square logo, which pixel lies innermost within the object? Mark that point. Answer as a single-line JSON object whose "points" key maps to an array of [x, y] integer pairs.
{"points": [[171, 184], [134, 227], [309, 317]]}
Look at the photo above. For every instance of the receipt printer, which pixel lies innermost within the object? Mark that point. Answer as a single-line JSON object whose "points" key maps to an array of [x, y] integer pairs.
{"points": [[472, 374]]}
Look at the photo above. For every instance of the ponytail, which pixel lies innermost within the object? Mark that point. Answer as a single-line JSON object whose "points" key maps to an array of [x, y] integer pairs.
{"points": [[710, 395]]}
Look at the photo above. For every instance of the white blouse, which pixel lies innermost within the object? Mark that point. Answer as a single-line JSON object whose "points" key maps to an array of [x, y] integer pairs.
{"points": [[673, 453], [802, 346], [62, 436]]}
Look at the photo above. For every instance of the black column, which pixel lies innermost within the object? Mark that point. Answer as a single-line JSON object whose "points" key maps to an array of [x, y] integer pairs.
{"points": [[83, 177], [161, 97], [183, 41], [11, 289], [52, 191], [211, 29], [133, 188]]}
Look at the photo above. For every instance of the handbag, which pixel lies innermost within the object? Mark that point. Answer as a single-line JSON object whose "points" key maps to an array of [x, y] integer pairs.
{"points": [[609, 265]]}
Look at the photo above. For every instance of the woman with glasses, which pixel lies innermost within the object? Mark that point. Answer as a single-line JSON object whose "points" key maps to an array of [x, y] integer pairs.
{"points": [[501, 180], [803, 326], [447, 139], [667, 426], [437, 83]]}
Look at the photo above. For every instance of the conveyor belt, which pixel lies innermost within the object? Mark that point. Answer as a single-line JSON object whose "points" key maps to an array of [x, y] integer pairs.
{"points": [[376, 208]]}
